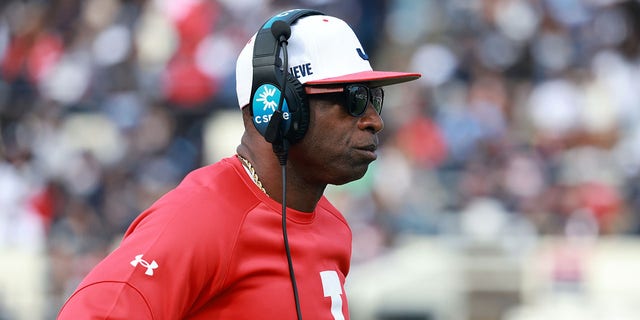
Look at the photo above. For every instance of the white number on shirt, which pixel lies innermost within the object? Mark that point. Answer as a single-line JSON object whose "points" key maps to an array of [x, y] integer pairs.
{"points": [[333, 289]]}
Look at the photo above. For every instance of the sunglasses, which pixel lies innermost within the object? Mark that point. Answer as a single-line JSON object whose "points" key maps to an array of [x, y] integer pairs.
{"points": [[357, 96]]}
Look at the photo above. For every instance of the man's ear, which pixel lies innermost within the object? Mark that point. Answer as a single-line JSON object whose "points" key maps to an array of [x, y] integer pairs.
{"points": [[246, 116]]}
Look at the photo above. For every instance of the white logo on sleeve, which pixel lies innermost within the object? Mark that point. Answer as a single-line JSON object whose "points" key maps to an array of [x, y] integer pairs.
{"points": [[144, 263], [332, 288]]}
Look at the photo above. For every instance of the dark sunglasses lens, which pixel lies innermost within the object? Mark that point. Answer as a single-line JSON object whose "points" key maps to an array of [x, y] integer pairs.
{"points": [[358, 100], [377, 98]]}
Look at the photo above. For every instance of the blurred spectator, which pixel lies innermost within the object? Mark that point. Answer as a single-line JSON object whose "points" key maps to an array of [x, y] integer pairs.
{"points": [[528, 111]]}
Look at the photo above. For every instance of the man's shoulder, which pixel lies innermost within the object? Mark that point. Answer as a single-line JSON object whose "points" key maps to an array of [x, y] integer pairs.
{"points": [[210, 182], [210, 195], [211, 176], [325, 205]]}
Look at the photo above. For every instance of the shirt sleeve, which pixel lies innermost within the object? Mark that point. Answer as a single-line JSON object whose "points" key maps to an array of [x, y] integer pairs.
{"points": [[96, 301], [167, 261]]}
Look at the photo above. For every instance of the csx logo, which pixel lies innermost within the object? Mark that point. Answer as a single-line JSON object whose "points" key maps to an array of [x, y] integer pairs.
{"points": [[265, 118], [266, 100]]}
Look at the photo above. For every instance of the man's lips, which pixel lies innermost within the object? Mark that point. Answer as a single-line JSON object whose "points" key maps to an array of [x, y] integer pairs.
{"points": [[369, 151], [370, 147]]}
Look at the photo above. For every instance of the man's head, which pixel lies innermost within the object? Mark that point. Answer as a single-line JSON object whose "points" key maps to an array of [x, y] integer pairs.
{"points": [[321, 51], [331, 113]]}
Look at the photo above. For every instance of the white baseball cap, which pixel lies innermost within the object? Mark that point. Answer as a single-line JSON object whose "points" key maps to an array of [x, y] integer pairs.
{"points": [[321, 50]]}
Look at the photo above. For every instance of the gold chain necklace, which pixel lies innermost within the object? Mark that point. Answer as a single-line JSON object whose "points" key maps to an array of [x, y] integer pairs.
{"points": [[253, 173]]}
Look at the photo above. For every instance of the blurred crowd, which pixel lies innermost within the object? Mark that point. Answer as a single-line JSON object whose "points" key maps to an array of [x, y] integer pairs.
{"points": [[526, 121]]}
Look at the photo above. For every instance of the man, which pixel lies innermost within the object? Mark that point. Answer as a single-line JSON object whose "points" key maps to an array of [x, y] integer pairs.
{"points": [[220, 245]]}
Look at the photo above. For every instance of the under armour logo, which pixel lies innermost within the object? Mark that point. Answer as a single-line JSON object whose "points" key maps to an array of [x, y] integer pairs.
{"points": [[149, 266]]}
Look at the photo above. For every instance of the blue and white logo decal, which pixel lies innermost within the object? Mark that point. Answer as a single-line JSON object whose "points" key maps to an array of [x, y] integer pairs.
{"points": [[265, 103], [281, 16]]}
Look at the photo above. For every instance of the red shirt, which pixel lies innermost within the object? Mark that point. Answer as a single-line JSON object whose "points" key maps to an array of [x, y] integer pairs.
{"points": [[212, 248]]}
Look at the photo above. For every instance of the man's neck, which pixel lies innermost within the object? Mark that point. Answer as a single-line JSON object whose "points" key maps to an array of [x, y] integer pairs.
{"points": [[301, 195]]}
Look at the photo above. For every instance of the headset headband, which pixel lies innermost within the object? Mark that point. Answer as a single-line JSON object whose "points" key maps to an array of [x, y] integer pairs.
{"points": [[290, 119], [266, 47]]}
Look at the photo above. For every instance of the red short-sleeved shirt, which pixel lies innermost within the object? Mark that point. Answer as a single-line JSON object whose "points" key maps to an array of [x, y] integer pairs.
{"points": [[212, 248]]}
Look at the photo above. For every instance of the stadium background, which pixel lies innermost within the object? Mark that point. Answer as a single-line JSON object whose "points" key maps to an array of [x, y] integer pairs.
{"points": [[507, 186]]}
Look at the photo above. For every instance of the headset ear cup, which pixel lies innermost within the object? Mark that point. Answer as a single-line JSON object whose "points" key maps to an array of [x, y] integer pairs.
{"points": [[260, 112], [267, 77], [298, 109]]}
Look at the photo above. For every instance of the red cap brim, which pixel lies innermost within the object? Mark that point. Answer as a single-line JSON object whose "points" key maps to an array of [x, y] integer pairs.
{"points": [[373, 78]]}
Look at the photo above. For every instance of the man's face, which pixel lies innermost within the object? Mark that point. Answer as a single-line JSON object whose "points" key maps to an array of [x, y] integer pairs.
{"points": [[337, 147]]}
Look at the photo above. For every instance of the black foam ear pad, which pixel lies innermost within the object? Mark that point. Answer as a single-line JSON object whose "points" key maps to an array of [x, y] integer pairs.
{"points": [[298, 108]]}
